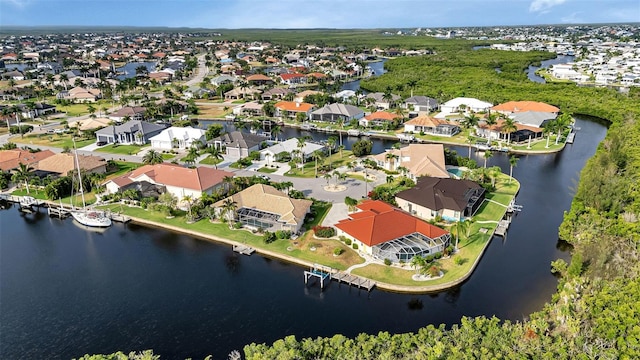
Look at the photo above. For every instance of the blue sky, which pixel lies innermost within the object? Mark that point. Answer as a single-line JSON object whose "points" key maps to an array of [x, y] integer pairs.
{"points": [[315, 13]]}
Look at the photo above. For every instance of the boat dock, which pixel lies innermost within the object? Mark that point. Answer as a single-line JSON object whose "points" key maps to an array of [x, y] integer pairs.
{"points": [[27, 204], [243, 249], [571, 137], [323, 273], [353, 132], [503, 225]]}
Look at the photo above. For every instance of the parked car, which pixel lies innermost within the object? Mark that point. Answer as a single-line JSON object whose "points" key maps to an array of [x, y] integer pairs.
{"points": [[101, 143]]}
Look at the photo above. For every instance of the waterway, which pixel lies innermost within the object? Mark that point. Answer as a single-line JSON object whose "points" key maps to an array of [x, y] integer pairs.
{"points": [[560, 59], [129, 69], [66, 291]]}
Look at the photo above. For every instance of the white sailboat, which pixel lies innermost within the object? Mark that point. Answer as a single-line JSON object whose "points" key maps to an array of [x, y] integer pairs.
{"points": [[84, 216]]}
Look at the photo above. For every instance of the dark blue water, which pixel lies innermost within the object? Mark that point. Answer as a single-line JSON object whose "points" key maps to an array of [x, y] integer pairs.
{"points": [[65, 292]]}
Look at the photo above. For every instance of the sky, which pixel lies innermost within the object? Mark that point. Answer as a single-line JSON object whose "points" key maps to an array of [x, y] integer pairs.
{"points": [[217, 14]]}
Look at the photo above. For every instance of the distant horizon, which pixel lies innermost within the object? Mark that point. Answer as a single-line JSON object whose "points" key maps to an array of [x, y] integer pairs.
{"points": [[316, 14]]}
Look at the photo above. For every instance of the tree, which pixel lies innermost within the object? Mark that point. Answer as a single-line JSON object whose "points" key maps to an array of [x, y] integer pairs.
{"points": [[508, 126], [461, 227], [302, 141], [470, 121], [317, 155], [513, 162], [487, 155], [331, 144], [562, 122], [169, 201], [152, 157], [215, 153], [228, 211], [22, 173], [64, 78], [275, 131], [188, 199], [213, 131], [351, 203], [548, 128], [412, 85], [470, 140], [418, 262], [362, 147]]}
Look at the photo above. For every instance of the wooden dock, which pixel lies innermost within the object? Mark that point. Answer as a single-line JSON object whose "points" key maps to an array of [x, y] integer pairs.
{"points": [[119, 217], [571, 137], [60, 212], [354, 280], [325, 272], [503, 225], [243, 249]]}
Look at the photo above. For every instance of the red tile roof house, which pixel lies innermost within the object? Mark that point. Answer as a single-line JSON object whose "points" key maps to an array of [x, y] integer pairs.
{"points": [[11, 159], [386, 232], [290, 109], [379, 118], [178, 180]]}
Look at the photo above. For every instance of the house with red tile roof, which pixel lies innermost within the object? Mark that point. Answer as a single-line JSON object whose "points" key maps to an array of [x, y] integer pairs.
{"points": [[293, 79], [178, 180], [386, 232], [430, 125], [511, 107], [289, 109], [259, 79], [11, 159], [379, 118]]}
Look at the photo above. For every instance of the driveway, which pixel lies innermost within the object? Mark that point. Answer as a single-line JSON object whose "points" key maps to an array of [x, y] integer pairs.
{"points": [[202, 71]]}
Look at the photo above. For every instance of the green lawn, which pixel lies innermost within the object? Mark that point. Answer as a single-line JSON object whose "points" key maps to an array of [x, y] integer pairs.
{"points": [[54, 140], [210, 160], [540, 145], [267, 170], [335, 161], [123, 168], [122, 149], [89, 198], [168, 156]]}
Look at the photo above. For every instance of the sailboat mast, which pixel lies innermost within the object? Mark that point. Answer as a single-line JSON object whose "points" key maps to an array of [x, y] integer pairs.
{"points": [[75, 150]]}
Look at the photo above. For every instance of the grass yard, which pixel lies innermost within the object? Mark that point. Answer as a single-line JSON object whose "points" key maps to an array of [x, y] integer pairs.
{"points": [[122, 149], [335, 160], [540, 145], [54, 140], [89, 198], [267, 170], [167, 156], [123, 168], [211, 111], [210, 160]]}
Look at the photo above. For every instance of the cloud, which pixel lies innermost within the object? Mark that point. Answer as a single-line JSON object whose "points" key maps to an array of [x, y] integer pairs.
{"points": [[543, 6], [20, 4]]}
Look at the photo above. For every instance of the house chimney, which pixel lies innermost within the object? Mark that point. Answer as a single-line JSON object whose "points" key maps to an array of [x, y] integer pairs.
{"points": [[297, 104]]}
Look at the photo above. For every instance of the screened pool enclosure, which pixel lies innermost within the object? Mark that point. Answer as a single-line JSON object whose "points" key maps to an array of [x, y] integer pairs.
{"points": [[406, 247]]}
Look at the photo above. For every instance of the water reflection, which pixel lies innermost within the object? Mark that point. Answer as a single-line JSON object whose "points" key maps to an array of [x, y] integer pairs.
{"points": [[415, 304]]}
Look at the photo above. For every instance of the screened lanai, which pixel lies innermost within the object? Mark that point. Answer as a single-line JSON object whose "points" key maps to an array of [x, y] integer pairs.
{"points": [[258, 218], [406, 247]]}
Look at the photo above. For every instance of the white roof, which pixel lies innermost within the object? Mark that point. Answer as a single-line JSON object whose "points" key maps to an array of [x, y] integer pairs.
{"points": [[181, 133], [470, 102], [290, 145]]}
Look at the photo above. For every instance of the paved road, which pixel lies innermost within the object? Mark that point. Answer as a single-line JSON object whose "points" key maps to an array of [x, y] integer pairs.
{"points": [[201, 72]]}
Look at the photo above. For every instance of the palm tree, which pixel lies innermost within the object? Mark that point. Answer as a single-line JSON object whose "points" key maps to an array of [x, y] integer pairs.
{"points": [[327, 177], [461, 227], [562, 122], [470, 140], [275, 131], [189, 200], [487, 155], [331, 143], [317, 155], [302, 141], [548, 128], [417, 262], [412, 84], [215, 153], [470, 121], [152, 157], [229, 208], [509, 126], [22, 173], [64, 79], [340, 123], [192, 155], [513, 162], [391, 157]]}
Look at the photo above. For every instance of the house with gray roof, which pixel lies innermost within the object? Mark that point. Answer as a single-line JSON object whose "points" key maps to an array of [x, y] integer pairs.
{"points": [[533, 118], [336, 111], [380, 101], [132, 132], [223, 79], [238, 144], [421, 103]]}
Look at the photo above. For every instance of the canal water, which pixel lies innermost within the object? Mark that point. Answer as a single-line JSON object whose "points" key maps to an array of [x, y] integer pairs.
{"points": [[560, 59], [66, 291], [129, 69]]}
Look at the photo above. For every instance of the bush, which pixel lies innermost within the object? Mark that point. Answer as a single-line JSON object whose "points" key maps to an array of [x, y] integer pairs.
{"points": [[283, 234], [347, 241], [438, 255], [268, 237], [338, 251], [324, 231], [459, 260], [355, 246], [434, 271], [362, 147], [237, 225], [387, 262], [429, 258]]}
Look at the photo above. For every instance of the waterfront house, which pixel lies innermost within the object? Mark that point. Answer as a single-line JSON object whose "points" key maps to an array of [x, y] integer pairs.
{"points": [[238, 144], [417, 159], [464, 105], [261, 206], [290, 109], [275, 93], [513, 107], [293, 79], [178, 137], [259, 79], [11, 159], [177, 180], [381, 102], [251, 108], [496, 131], [421, 103], [242, 93], [386, 232], [132, 132], [289, 146], [452, 199], [335, 112], [380, 119], [63, 163], [432, 126]]}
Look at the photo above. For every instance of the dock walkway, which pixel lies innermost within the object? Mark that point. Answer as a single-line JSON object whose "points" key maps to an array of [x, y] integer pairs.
{"points": [[325, 272], [244, 250]]}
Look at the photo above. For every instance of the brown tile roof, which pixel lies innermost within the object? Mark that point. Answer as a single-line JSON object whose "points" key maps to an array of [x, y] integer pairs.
{"points": [[427, 121], [266, 198], [11, 159], [382, 115], [258, 77], [497, 127], [63, 163], [420, 159], [520, 106], [437, 194], [200, 178], [378, 222]]}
